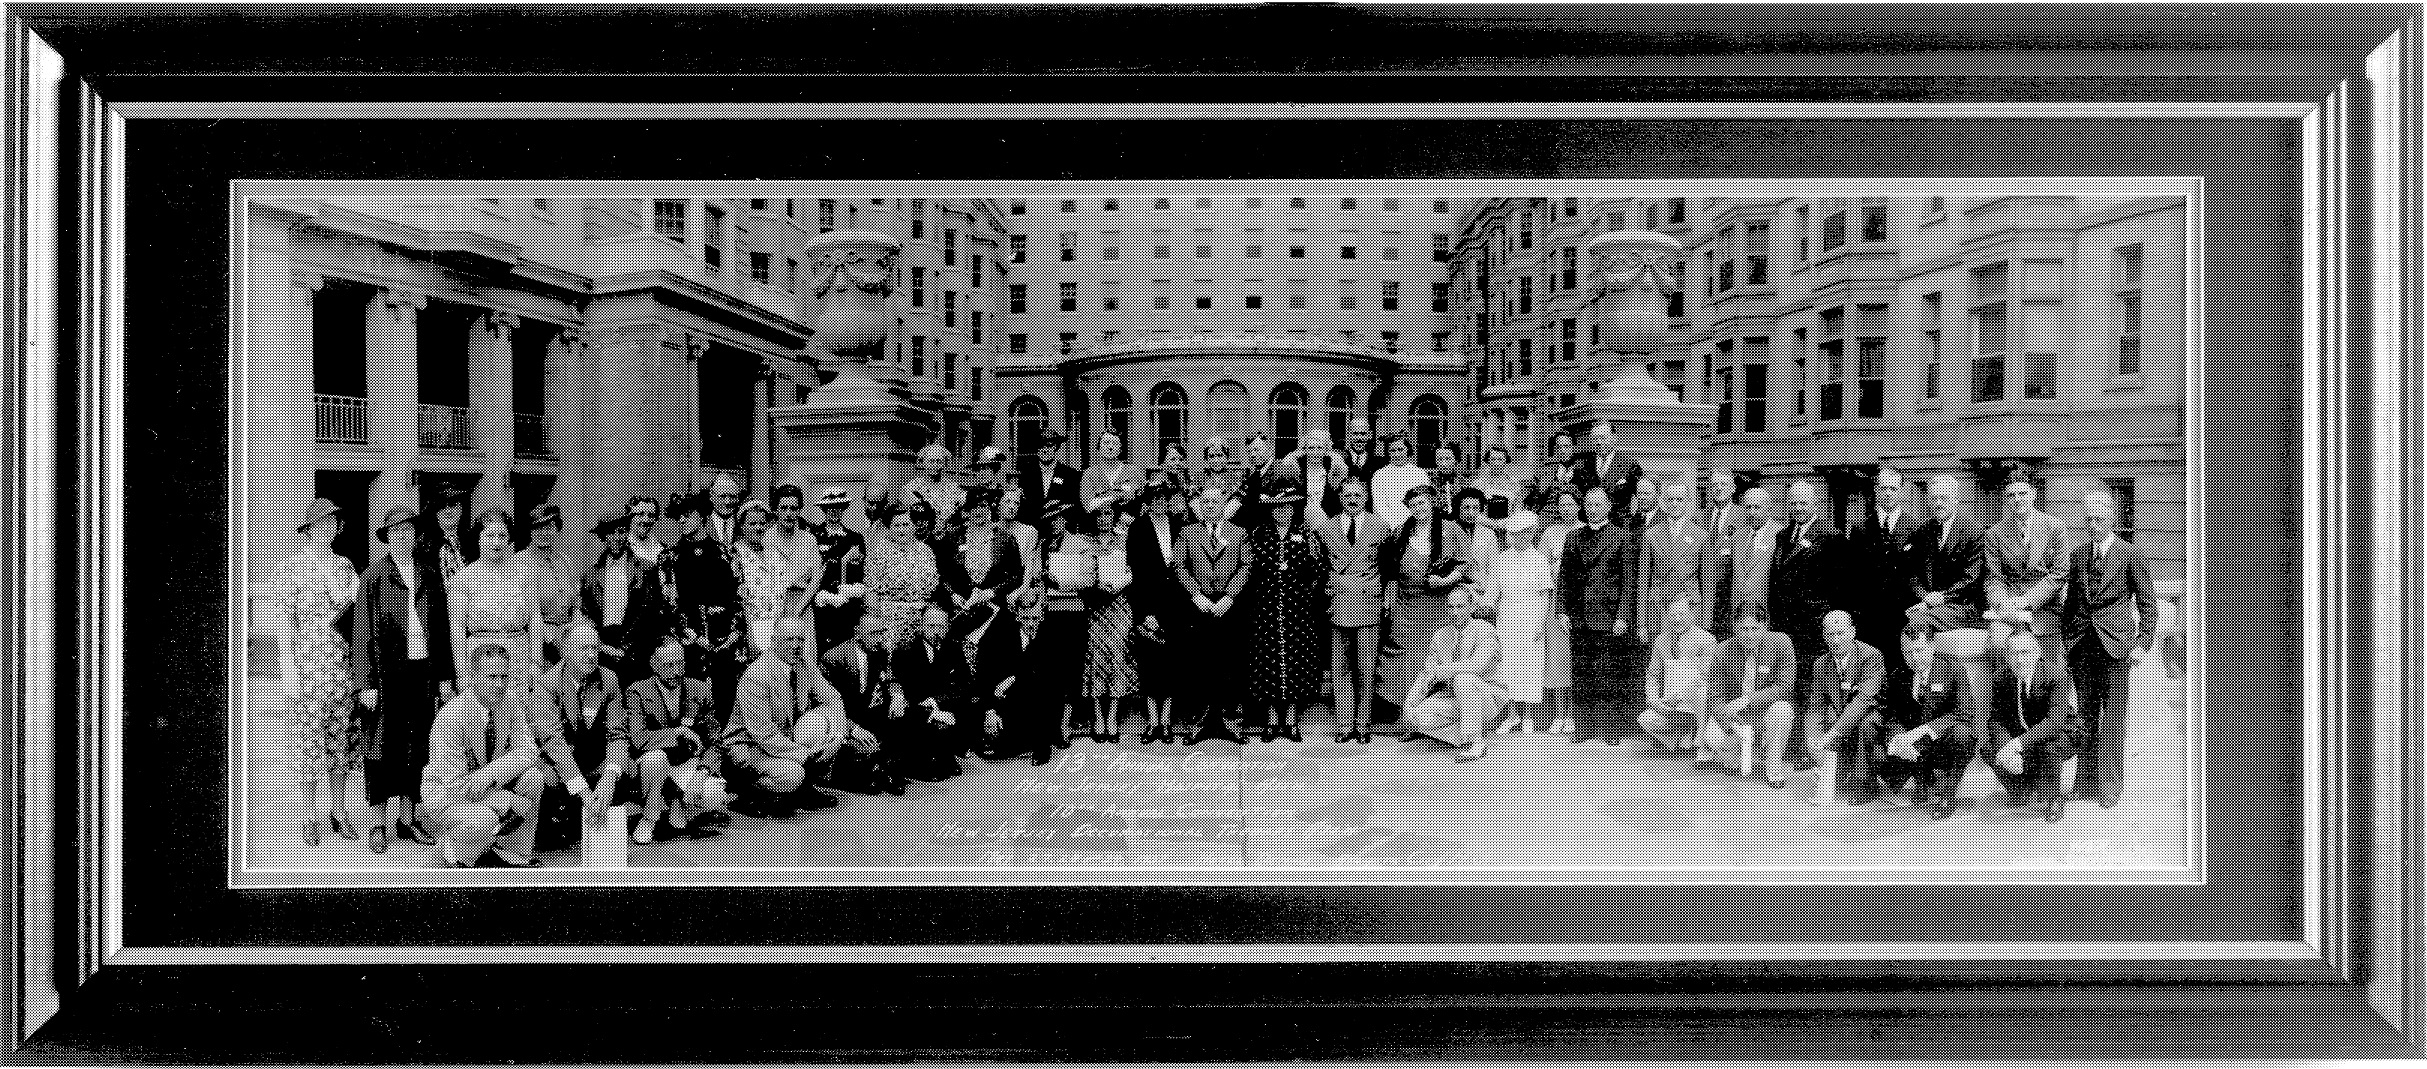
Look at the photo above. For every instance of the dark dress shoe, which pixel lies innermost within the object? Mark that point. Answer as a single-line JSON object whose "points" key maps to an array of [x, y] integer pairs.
{"points": [[1294, 736], [1041, 757], [414, 831], [1364, 737], [2056, 808], [1778, 784], [1061, 741], [1345, 736], [812, 798], [343, 827]]}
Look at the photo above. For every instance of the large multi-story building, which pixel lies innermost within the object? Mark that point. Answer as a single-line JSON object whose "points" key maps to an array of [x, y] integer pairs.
{"points": [[583, 350], [1982, 336]]}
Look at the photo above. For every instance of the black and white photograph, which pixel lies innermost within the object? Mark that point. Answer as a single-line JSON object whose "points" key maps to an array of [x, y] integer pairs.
{"points": [[1380, 531]]}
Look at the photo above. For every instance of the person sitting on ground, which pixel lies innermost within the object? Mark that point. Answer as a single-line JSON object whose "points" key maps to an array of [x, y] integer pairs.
{"points": [[577, 718], [670, 725], [1459, 690], [1677, 681], [1752, 680], [482, 780], [783, 729]]}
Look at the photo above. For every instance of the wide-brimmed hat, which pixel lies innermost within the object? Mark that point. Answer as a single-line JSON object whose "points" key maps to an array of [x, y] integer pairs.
{"points": [[450, 495], [398, 515], [611, 522], [989, 457], [1054, 508], [1052, 437], [834, 497], [542, 515], [1281, 492], [320, 509], [1520, 521]]}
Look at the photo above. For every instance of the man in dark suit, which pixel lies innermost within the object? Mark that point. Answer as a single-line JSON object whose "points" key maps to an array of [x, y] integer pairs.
{"points": [[1805, 569], [1597, 599], [1944, 566], [1844, 695], [1363, 459], [2033, 726], [404, 667], [1254, 480], [935, 681], [1928, 726], [2110, 621], [576, 716], [1874, 565], [1603, 467], [862, 672], [1026, 702], [1215, 560], [1752, 692], [1044, 479]]}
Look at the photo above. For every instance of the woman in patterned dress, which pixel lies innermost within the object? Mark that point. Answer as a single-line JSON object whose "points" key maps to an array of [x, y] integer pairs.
{"points": [[1564, 505], [316, 589], [763, 576], [492, 600], [1288, 629], [1112, 667], [902, 572], [942, 496]]}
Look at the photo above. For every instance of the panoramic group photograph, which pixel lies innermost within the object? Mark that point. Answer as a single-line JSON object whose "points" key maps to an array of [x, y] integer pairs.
{"points": [[1223, 532]]}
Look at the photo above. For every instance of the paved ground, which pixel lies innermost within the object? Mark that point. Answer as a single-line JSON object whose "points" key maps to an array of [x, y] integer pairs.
{"points": [[1536, 801]]}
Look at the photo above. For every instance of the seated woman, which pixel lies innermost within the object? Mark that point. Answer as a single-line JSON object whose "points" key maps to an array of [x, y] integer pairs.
{"points": [[1459, 689]]}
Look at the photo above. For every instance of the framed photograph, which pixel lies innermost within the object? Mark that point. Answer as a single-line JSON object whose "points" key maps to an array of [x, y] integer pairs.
{"points": [[803, 492]]}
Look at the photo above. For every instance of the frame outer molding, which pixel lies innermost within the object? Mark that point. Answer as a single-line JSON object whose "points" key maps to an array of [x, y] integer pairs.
{"points": [[2364, 393]]}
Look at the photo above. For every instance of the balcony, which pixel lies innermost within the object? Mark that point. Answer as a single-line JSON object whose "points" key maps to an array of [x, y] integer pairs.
{"points": [[445, 427], [531, 440], [340, 419]]}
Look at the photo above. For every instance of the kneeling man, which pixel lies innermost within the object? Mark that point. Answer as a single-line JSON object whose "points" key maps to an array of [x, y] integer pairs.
{"points": [[1752, 678], [577, 719], [2033, 726], [482, 779], [1843, 698], [787, 726], [669, 720], [1677, 681], [1927, 728]]}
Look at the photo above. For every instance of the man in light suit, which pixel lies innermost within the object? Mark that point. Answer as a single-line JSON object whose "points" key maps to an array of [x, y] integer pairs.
{"points": [[1596, 603], [1676, 561], [1943, 565], [787, 725], [576, 715], [2023, 560], [1358, 595], [2033, 727], [1875, 563], [1744, 558], [670, 724], [1844, 695], [483, 778], [2110, 621], [1752, 691], [1214, 565], [1677, 679]]}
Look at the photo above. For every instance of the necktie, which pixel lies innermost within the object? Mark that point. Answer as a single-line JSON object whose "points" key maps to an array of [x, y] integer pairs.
{"points": [[491, 753], [792, 680], [1918, 683], [1352, 530]]}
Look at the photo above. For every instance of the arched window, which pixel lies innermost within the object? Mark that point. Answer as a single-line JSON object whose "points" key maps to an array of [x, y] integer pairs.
{"points": [[1288, 417], [1167, 407], [1226, 412], [1116, 416], [1027, 425], [1429, 419], [1339, 406]]}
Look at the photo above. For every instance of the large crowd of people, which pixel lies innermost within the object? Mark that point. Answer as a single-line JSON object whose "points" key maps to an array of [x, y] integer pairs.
{"points": [[760, 652]]}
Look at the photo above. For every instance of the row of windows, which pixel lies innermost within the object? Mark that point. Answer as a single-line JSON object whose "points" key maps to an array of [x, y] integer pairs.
{"points": [[1160, 204], [1068, 341], [1253, 248], [1159, 295], [1228, 416]]}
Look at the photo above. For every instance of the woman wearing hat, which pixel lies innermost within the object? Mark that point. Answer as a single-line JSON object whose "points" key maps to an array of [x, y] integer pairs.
{"points": [[1517, 586], [1421, 563], [1111, 671], [981, 564], [942, 496], [315, 591], [491, 600], [1288, 630], [1070, 571], [404, 666]]}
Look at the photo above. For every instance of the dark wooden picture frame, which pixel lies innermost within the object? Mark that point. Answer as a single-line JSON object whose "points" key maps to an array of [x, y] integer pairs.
{"points": [[124, 124]]}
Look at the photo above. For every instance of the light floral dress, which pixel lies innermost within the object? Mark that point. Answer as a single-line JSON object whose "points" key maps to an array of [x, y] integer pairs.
{"points": [[315, 588], [901, 580], [765, 576]]}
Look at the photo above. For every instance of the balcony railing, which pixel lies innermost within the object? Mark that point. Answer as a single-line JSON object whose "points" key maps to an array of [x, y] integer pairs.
{"points": [[445, 427], [531, 437], [337, 418]]}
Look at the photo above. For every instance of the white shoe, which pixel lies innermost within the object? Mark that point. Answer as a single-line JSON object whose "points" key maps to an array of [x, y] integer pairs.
{"points": [[1511, 726], [644, 832], [1472, 753]]}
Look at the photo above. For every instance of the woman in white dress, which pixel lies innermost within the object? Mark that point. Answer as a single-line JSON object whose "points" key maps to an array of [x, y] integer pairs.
{"points": [[1565, 505], [1518, 586]]}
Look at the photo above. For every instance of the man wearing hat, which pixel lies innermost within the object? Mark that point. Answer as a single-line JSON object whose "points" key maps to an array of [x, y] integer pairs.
{"points": [[1045, 479], [404, 666], [843, 556], [555, 579], [622, 597]]}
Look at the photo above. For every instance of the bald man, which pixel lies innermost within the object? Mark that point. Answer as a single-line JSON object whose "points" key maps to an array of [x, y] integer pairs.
{"points": [[576, 716], [1943, 564]]}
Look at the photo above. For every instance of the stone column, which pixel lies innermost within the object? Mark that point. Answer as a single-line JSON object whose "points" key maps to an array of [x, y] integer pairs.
{"points": [[571, 411], [628, 443], [278, 411], [394, 380], [491, 351], [862, 429], [1634, 271]]}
